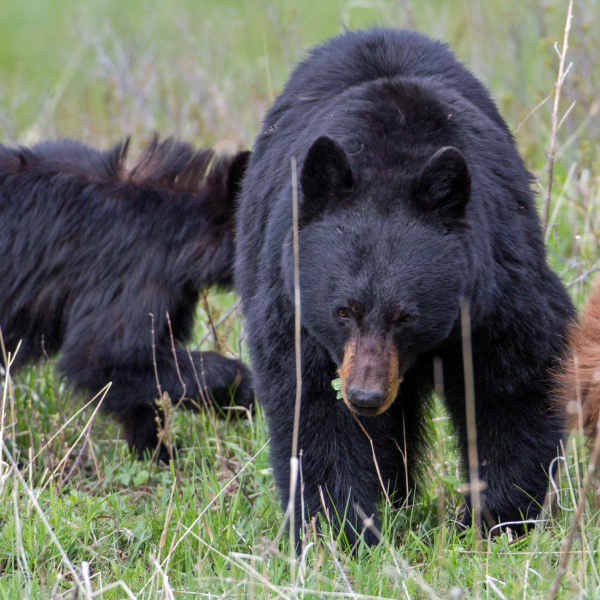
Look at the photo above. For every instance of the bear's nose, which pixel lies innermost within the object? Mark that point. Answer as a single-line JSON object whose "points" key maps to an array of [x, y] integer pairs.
{"points": [[364, 399]]}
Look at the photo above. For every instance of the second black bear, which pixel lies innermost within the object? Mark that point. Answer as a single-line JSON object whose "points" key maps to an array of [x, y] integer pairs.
{"points": [[89, 250], [412, 196]]}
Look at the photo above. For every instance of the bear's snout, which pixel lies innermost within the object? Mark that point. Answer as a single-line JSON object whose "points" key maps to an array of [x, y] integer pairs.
{"points": [[369, 374]]}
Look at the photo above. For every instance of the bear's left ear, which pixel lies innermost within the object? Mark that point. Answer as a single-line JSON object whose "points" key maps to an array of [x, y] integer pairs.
{"points": [[444, 185], [326, 177]]}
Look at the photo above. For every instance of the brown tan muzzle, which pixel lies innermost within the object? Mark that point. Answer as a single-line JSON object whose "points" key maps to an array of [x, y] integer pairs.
{"points": [[369, 374]]}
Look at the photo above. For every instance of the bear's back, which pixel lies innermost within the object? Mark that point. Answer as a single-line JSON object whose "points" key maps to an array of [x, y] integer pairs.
{"points": [[357, 57], [74, 223]]}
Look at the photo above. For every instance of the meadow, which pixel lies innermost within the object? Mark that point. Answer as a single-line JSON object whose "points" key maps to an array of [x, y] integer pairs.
{"points": [[79, 516]]}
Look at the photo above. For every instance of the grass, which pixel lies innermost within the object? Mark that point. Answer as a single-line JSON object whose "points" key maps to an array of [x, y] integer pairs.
{"points": [[79, 517]]}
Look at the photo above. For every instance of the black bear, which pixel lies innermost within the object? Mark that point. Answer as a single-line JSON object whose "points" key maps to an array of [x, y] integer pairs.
{"points": [[412, 196], [89, 250]]}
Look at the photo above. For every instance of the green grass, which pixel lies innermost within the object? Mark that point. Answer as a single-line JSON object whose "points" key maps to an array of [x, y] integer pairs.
{"points": [[210, 525]]}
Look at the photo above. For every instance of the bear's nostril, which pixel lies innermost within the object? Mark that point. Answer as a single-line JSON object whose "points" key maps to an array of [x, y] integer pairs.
{"points": [[364, 399]]}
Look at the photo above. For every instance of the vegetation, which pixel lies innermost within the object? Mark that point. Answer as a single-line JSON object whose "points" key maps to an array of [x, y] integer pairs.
{"points": [[79, 517]]}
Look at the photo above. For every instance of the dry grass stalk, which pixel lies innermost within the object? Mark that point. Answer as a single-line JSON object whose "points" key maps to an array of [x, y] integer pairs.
{"points": [[387, 498], [7, 359], [294, 457], [562, 73], [213, 329], [474, 483], [532, 112]]}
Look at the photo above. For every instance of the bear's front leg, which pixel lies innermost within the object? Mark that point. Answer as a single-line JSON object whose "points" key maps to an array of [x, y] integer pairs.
{"points": [[337, 471], [516, 446], [342, 474], [337, 474], [518, 436]]}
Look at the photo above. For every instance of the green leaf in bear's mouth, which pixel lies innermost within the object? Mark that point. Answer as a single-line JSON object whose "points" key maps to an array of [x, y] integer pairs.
{"points": [[336, 384]]}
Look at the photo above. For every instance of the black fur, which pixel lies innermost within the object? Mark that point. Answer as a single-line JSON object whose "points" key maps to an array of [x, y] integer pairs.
{"points": [[437, 206], [89, 250]]}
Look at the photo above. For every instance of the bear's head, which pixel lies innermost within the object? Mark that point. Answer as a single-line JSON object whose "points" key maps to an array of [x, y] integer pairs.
{"points": [[383, 264]]}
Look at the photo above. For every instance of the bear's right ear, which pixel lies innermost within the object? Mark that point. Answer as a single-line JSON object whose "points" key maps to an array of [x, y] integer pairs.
{"points": [[326, 177], [444, 185]]}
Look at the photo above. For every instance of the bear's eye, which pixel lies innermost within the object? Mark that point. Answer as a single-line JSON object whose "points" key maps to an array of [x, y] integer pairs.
{"points": [[342, 313], [404, 318]]}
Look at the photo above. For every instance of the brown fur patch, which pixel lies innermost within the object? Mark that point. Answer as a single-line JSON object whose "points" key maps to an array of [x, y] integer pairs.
{"points": [[344, 370], [578, 391], [394, 381]]}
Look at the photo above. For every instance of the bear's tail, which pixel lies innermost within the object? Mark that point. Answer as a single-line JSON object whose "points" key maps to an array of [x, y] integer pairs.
{"points": [[579, 376]]}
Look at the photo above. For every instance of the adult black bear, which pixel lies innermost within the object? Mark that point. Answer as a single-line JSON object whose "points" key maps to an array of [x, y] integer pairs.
{"points": [[413, 196], [88, 251]]}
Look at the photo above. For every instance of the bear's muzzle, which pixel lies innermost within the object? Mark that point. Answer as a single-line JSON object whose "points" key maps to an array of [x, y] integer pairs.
{"points": [[369, 374]]}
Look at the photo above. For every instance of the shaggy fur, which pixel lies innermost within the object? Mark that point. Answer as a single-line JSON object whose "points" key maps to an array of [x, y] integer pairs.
{"points": [[89, 250], [412, 196], [579, 378]]}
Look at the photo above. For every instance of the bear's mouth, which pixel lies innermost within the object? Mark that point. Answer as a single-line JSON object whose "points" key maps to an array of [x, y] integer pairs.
{"points": [[365, 412]]}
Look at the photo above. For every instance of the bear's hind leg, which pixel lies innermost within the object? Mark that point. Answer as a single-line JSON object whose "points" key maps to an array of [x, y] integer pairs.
{"points": [[134, 388]]}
